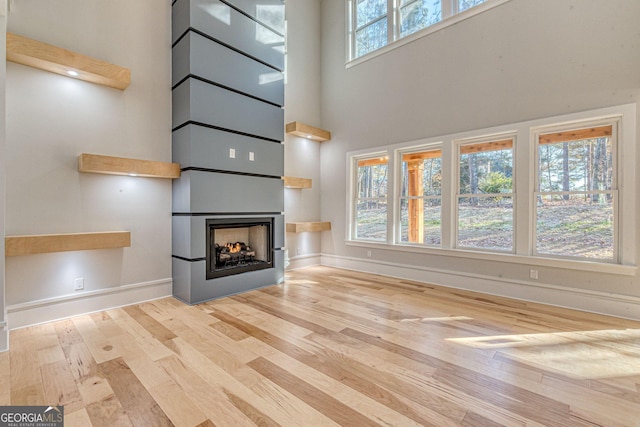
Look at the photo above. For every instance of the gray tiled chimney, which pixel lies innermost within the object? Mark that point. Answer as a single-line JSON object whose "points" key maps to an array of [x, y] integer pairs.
{"points": [[228, 128]]}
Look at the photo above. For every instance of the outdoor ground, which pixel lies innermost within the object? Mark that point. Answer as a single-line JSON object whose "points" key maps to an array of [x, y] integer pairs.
{"points": [[566, 228]]}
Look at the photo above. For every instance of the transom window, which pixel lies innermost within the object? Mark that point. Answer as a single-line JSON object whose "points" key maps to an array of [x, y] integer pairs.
{"points": [[371, 26], [417, 14], [377, 23]]}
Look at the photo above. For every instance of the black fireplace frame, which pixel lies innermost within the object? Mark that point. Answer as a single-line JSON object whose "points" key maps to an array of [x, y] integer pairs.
{"points": [[224, 223]]}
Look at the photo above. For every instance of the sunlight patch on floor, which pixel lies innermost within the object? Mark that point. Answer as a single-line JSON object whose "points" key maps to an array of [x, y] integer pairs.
{"points": [[580, 354]]}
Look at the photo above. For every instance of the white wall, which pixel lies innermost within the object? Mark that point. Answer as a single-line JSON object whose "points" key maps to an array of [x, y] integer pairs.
{"points": [[520, 61], [4, 335], [51, 119], [302, 103]]}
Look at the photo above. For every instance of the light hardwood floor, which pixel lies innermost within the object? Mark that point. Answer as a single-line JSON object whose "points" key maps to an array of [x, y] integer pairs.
{"points": [[332, 347]]}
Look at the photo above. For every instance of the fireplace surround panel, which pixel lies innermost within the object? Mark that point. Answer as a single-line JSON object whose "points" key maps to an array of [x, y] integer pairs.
{"points": [[193, 145], [191, 285], [217, 63], [240, 33], [189, 233], [192, 103], [201, 191], [228, 125]]}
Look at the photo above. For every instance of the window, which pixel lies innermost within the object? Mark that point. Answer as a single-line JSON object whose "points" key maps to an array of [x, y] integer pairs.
{"points": [[420, 197], [485, 195], [576, 195], [417, 14], [376, 23], [371, 26], [543, 192], [467, 4], [370, 204]]}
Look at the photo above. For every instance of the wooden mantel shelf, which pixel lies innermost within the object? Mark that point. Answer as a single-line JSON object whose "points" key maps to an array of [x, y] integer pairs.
{"points": [[294, 182], [43, 56], [309, 132], [95, 163], [46, 243], [301, 227]]}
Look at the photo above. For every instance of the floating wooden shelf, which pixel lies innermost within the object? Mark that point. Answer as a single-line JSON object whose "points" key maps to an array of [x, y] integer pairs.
{"points": [[95, 163], [293, 182], [301, 227], [57, 60], [46, 243], [309, 132]]}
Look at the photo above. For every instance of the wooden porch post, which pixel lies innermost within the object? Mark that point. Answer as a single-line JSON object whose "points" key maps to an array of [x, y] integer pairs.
{"points": [[416, 206]]}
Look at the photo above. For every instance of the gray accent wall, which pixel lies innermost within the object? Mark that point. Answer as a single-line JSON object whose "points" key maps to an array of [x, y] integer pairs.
{"points": [[228, 128], [201, 192], [210, 105], [216, 63], [227, 24], [192, 146]]}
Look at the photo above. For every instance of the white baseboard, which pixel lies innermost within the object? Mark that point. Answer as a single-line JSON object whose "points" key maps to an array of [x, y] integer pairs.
{"points": [[302, 261], [47, 310], [4, 336], [579, 299]]}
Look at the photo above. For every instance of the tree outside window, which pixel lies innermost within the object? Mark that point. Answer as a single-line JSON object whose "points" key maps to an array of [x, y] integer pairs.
{"points": [[371, 199], [459, 195], [485, 196], [371, 26], [576, 193], [468, 4], [418, 14], [376, 23]]}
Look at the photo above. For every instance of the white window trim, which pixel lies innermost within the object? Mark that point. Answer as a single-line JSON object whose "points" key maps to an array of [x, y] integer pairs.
{"points": [[524, 146], [393, 31], [479, 140], [398, 190], [352, 194], [615, 121]]}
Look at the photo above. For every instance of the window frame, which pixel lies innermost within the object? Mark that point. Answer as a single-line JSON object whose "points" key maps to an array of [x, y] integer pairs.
{"points": [[353, 26], [450, 16], [354, 196], [399, 197], [514, 217], [615, 123]]}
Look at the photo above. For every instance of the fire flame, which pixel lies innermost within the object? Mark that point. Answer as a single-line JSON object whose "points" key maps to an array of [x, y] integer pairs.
{"points": [[233, 247]]}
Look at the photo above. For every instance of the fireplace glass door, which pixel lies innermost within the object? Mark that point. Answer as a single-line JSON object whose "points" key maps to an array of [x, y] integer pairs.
{"points": [[237, 246]]}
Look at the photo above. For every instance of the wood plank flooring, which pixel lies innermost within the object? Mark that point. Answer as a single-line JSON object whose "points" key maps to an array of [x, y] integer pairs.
{"points": [[332, 347]]}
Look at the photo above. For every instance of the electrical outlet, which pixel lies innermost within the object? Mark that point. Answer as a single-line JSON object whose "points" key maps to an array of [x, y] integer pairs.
{"points": [[297, 251], [252, 156], [232, 153], [533, 274], [369, 254], [78, 284]]}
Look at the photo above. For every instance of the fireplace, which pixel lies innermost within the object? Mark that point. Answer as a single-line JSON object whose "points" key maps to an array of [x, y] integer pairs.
{"points": [[239, 245], [219, 200]]}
